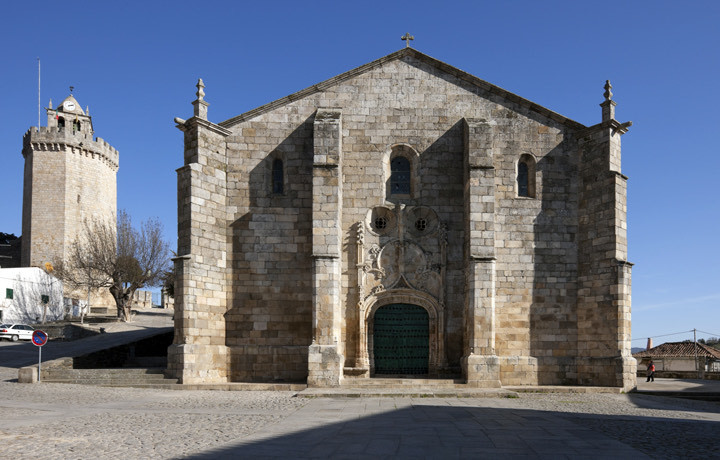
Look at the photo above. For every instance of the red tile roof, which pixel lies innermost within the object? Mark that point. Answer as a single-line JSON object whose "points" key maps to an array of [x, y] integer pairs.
{"points": [[679, 349]]}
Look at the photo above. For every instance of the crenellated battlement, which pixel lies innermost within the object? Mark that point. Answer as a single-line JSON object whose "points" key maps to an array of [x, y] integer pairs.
{"points": [[63, 139]]}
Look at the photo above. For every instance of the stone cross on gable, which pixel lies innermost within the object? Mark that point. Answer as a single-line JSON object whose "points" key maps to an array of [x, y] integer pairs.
{"points": [[406, 38]]}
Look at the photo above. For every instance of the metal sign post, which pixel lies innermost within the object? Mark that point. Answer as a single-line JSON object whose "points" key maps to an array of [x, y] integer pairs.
{"points": [[39, 338]]}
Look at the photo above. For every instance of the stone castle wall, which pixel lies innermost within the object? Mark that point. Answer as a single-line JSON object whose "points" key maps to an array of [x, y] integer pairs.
{"points": [[69, 176]]}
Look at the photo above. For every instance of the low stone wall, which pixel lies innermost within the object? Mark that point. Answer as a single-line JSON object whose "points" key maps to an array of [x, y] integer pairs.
{"points": [[67, 331], [682, 375]]}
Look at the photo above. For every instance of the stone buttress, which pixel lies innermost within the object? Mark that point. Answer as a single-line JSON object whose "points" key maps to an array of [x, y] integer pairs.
{"points": [[480, 364], [325, 358], [603, 306], [199, 353]]}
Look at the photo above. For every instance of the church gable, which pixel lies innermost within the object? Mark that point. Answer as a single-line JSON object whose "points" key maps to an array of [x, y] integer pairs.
{"points": [[431, 67]]}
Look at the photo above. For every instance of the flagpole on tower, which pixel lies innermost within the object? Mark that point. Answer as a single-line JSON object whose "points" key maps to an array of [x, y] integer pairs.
{"points": [[38, 94]]}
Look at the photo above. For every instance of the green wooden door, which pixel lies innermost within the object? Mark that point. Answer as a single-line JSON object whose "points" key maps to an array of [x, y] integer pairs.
{"points": [[401, 339]]}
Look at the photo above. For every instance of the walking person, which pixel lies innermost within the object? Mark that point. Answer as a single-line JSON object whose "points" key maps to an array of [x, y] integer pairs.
{"points": [[650, 371]]}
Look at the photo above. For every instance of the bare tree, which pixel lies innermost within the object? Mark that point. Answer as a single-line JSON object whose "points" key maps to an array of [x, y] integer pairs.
{"points": [[119, 257]]}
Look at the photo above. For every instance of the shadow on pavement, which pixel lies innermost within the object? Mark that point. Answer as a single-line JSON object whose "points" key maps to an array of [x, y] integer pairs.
{"points": [[26, 354], [427, 431]]}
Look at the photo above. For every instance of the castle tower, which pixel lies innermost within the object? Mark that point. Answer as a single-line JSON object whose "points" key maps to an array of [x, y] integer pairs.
{"points": [[69, 177]]}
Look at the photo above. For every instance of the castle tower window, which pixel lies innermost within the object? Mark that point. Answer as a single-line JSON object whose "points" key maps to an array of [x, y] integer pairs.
{"points": [[278, 185], [76, 125], [526, 176], [61, 122], [400, 176]]}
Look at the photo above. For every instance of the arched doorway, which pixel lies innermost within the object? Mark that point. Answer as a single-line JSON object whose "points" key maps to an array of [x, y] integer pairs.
{"points": [[401, 339]]}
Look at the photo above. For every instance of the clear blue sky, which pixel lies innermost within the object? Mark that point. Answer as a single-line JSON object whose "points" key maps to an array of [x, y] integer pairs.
{"points": [[136, 63]]}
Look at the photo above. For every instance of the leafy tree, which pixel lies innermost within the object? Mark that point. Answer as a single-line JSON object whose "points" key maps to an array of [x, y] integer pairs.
{"points": [[118, 257]]}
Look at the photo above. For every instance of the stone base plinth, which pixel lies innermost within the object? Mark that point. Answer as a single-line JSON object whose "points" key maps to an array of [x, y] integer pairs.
{"points": [[518, 370], [325, 366], [192, 363], [268, 363], [481, 371], [616, 371]]}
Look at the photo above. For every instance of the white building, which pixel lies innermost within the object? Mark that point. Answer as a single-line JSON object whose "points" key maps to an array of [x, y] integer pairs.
{"points": [[29, 295]]}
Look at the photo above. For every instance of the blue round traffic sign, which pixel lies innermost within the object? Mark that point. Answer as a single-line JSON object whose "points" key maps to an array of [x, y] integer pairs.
{"points": [[39, 338]]}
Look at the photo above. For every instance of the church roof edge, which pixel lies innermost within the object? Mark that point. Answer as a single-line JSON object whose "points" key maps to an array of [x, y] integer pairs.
{"points": [[447, 68]]}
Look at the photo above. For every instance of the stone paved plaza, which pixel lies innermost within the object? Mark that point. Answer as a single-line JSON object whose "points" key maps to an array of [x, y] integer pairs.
{"points": [[48, 420], [75, 422]]}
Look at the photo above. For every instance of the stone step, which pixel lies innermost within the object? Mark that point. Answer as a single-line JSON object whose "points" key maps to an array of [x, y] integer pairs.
{"points": [[94, 373], [80, 378], [113, 382], [108, 370], [401, 382], [144, 377], [459, 391]]}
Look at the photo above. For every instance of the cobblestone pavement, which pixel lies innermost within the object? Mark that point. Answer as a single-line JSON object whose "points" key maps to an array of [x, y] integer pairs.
{"points": [[48, 420]]}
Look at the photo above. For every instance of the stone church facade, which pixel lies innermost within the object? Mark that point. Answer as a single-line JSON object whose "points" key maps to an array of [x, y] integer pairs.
{"points": [[403, 218]]}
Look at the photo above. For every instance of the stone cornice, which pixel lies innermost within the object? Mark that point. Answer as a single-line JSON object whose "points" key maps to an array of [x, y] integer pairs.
{"points": [[613, 125], [184, 125], [325, 256], [477, 258], [619, 174], [481, 167]]}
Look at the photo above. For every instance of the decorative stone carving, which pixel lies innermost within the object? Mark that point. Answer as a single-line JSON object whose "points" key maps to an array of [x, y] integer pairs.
{"points": [[411, 253]]}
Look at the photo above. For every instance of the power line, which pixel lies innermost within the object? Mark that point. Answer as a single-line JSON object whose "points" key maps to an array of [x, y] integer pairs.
{"points": [[664, 335], [676, 333], [709, 333]]}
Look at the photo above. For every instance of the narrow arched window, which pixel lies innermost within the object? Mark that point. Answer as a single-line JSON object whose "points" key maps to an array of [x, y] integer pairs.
{"points": [[522, 179], [277, 176], [400, 176], [76, 125], [526, 172], [61, 122]]}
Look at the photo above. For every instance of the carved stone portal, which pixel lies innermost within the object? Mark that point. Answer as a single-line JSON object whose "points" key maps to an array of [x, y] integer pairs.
{"points": [[402, 257]]}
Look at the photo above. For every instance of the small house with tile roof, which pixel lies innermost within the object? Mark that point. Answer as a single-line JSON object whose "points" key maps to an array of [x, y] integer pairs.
{"points": [[681, 357], [404, 218]]}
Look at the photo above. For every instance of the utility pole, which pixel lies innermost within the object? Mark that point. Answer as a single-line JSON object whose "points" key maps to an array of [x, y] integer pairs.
{"points": [[38, 59], [696, 352]]}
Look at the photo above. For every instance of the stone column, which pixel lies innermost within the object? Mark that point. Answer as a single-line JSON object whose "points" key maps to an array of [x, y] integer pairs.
{"points": [[325, 357], [481, 366]]}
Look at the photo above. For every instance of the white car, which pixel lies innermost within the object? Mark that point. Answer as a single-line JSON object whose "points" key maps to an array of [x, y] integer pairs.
{"points": [[16, 332]]}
